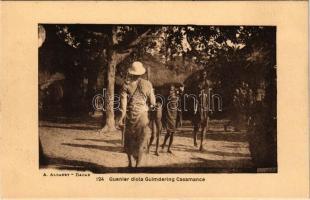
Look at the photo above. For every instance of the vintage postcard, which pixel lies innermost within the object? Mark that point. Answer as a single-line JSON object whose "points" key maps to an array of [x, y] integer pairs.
{"points": [[154, 99]]}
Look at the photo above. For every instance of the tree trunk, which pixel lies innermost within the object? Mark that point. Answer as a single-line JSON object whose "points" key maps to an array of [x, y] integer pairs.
{"points": [[114, 57], [109, 99]]}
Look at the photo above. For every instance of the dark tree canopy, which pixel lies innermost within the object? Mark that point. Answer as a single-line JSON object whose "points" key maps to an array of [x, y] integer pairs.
{"points": [[101, 53]]}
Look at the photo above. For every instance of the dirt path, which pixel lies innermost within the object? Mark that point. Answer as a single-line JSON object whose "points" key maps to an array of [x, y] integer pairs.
{"points": [[80, 146]]}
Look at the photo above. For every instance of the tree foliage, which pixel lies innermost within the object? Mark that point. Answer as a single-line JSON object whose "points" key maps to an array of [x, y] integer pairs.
{"points": [[229, 53]]}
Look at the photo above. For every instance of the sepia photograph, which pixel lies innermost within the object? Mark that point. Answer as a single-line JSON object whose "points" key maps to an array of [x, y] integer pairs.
{"points": [[154, 99], [149, 98]]}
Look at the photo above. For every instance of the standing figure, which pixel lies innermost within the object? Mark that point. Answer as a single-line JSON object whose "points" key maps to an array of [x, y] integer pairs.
{"points": [[249, 107], [136, 96], [259, 104], [241, 108], [201, 113], [180, 93], [156, 126], [238, 109], [171, 117]]}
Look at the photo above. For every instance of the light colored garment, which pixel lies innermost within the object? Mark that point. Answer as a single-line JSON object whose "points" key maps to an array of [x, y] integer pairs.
{"points": [[135, 98]]}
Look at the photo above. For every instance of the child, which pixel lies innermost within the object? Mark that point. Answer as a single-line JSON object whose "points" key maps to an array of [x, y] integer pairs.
{"points": [[171, 117]]}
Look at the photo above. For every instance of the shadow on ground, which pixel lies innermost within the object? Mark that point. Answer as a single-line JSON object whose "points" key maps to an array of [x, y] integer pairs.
{"points": [[203, 166], [97, 147], [217, 153], [194, 165], [72, 127], [115, 142], [78, 118], [218, 136]]}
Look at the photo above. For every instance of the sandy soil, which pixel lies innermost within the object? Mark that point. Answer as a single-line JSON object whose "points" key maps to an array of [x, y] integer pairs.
{"points": [[79, 146]]}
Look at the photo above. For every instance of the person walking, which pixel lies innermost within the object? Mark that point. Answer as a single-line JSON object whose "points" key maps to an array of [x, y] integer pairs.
{"points": [[137, 96], [171, 117], [202, 112], [180, 93]]}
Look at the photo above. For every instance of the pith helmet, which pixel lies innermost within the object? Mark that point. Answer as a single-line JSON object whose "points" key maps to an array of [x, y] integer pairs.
{"points": [[136, 68]]}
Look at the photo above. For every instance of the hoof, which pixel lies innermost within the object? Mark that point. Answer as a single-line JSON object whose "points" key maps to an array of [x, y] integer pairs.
{"points": [[169, 151], [201, 149], [195, 144], [156, 154]]}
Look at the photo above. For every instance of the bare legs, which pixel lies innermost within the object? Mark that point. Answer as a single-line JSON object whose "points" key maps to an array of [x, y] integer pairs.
{"points": [[156, 130], [204, 128], [168, 135], [170, 142], [203, 132], [196, 129], [152, 136]]}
